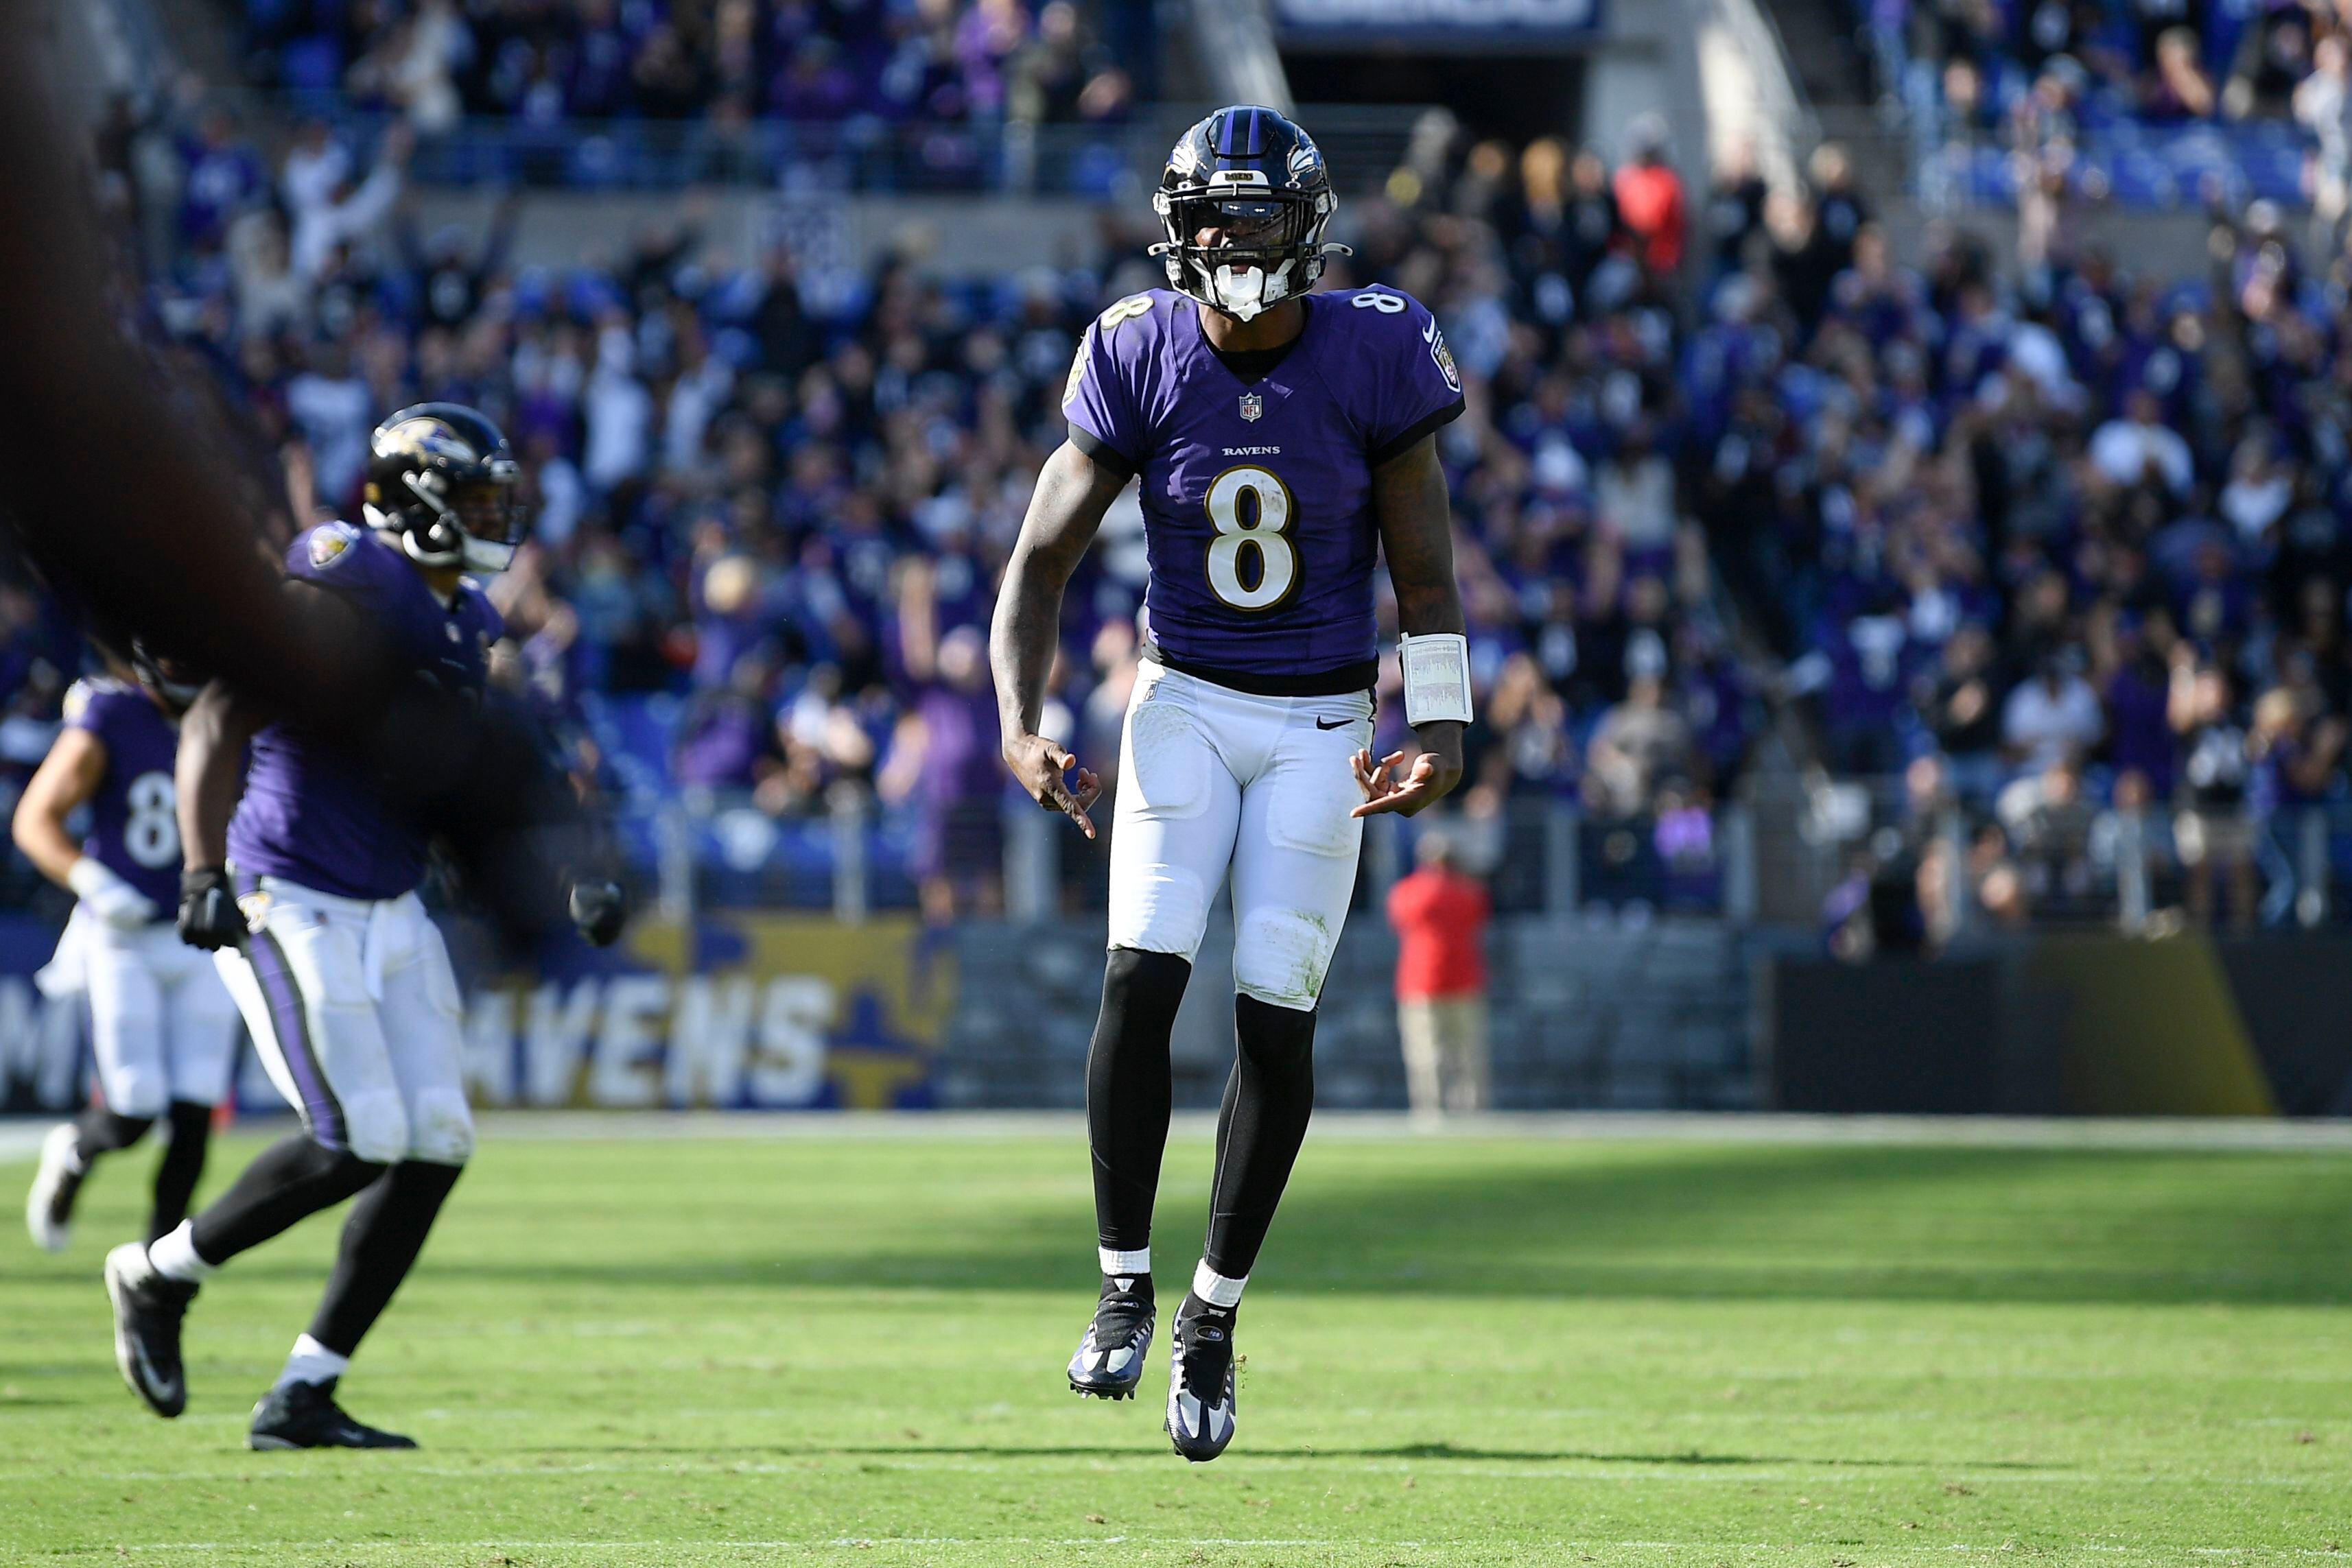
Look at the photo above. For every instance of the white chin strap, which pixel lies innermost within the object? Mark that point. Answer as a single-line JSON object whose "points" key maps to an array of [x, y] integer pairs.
{"points": [[480, 555], [1244, 294]]}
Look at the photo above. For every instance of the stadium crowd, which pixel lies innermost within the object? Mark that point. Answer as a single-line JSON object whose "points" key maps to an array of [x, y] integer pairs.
{"points": [[2058, 549], [2063, 543], [547, 63], [2156, 60], [2150, 103]]}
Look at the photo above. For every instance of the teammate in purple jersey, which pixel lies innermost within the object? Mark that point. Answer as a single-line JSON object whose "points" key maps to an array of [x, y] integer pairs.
{"points": [[307, 896], [1285, 440], [163, 1030]]}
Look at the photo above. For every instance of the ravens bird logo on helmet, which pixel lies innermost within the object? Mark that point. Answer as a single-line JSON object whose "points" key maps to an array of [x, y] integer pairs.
{"points": [[441, 485]]}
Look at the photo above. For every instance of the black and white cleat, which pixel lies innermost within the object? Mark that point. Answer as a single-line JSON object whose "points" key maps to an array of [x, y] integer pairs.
{"points": [[147, 1313], [1110, 1362], [1200, 1411], [305, 1415], [48, 1207]]}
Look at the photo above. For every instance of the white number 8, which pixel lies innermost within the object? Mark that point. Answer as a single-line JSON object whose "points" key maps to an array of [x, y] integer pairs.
{"points": [[150, 830], [1386, 304], [1262, 531]]}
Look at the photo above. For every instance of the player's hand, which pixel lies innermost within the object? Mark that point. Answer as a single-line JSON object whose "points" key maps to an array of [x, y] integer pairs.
{"points": [[209, 917], [599, 911], [1391, 783], [112, 900], [1052, 778]]}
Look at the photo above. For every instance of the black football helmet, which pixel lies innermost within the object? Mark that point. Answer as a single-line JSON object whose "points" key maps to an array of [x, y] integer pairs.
{"points": [[1260, 181], [441, 485]]}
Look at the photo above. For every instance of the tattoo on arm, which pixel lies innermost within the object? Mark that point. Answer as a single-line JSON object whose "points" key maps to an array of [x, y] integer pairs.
{"points": [[1417, 537], [1073, 493]]}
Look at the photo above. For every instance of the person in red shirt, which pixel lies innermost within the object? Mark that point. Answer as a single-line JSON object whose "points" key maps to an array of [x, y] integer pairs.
{"points": [[1439, 914], [1650, 196]]}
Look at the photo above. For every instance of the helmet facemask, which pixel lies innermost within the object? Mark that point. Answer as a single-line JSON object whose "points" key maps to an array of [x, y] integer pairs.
{"points": [[1268, 246]]}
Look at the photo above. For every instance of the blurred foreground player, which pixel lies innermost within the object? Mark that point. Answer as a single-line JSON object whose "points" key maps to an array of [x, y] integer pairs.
{"points": [[162, 1027], [119, 482], [341, 975], [1284, 440]]}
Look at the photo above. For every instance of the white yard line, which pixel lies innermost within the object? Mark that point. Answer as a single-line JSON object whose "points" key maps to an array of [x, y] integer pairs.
{"points": [[1344, 1126], [20, 1138], [814, 1543]]}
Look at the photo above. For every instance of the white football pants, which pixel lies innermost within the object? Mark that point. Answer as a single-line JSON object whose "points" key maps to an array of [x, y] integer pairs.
{"points": [[1213, 779], [355, 1012], [161, 1027]]}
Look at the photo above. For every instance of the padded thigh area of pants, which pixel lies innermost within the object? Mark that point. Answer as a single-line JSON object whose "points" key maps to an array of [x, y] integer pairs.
{"points": [[1171, 829], [1167, 762]]}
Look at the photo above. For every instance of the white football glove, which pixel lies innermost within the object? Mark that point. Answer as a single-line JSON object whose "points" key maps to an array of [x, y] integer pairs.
{"points": [[107, 897]]}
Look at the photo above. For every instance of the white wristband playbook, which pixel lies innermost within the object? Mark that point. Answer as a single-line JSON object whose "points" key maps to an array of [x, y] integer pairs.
{"points": [[1436, 667]]}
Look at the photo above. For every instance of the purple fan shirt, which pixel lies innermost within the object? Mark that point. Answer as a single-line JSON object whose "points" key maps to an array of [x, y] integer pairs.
{"points": [[1258, 496], [133, 831], [310, 814]]}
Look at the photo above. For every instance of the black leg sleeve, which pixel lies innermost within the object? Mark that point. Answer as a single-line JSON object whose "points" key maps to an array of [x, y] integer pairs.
{"points": [[1267, 1101], [101, 1132], [181, 1166], [291, 1180], [381, 1241], [1128, 1092]]}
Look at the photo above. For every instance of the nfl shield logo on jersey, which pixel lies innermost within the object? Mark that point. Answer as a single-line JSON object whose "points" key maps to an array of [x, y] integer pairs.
{"points": [[1253, 405]]}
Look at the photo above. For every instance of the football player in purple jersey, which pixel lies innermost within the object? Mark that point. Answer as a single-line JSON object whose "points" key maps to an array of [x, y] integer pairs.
{"points": [[1284, 440], [301, 876], [163, 1030]]}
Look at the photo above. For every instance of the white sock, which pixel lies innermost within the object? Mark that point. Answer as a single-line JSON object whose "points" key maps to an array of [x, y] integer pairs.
{"points": [[174, 1255], [312, 1363], [1215, 1288], [1136, 1262]]}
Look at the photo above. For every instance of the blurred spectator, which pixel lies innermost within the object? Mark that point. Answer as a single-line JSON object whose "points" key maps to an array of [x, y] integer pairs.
{"points": [[2137, 447], [328, 214], [1439, 916], [943, 757], [2052, 718], [1962, 713], [1650, 195], [2214, 831], [2322, 106], [1639, 744]]}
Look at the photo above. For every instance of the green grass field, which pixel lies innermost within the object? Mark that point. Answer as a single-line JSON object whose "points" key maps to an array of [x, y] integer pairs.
{"points": [[627, 1351]]}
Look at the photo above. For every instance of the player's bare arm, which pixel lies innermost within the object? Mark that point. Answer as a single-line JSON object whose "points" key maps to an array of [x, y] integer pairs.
{"points": [[210, 774], [1073, 493], [68, 776], [207, 778], [1417, 539]]}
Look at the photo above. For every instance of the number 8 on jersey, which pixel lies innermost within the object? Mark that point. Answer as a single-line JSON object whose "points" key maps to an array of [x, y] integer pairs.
{"points": [[1252, 511]]}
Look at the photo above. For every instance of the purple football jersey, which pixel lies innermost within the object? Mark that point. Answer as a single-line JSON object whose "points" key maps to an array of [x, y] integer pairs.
{"points": [[134, 832], [310, 814], [1258, 496]]}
